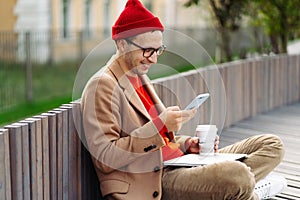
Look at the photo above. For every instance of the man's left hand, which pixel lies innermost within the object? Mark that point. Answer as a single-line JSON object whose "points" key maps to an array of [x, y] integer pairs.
{"points": [[192, 145]]}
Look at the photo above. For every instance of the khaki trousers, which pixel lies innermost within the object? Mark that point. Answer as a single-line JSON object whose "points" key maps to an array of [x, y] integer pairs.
{"points": [[227, 180]]}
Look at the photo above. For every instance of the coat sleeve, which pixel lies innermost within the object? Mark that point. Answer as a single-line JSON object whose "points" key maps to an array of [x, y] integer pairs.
{"points": [[108, 140]]}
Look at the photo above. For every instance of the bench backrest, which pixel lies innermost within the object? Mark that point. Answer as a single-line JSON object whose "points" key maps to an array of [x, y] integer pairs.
{"points": [[43, 157]]}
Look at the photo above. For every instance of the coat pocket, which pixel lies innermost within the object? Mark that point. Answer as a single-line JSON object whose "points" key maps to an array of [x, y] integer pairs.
{"points": [[114, 186]]}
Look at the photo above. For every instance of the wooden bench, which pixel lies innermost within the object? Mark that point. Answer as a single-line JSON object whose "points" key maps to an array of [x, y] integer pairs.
{"points": [[44, 157]]}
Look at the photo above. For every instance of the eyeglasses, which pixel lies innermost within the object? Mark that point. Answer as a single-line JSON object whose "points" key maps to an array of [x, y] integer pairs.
{"points": [[148, 52]]}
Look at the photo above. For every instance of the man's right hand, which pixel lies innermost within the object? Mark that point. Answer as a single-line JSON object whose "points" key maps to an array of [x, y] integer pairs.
{"points": [[174, 118]]}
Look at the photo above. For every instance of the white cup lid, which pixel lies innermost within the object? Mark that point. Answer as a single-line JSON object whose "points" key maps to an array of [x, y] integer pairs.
{"points": [[206, 127]]}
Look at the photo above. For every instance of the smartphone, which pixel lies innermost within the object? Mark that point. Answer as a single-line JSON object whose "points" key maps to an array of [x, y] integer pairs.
{"points": [[197, 101]]}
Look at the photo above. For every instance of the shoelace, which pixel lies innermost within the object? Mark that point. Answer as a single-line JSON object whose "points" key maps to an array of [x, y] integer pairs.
{"points": [[263, 191]]}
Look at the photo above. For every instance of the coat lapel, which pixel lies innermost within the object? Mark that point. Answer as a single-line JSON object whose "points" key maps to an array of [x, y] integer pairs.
{"points": [[129, 90], [133, 97], [156, 100]]}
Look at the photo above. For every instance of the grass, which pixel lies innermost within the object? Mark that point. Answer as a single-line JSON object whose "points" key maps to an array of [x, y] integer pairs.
{"points": [[25, 110], [51, 86]]}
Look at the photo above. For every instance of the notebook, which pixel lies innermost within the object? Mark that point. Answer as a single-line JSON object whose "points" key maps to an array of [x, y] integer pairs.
{"points": [[192, 160]]}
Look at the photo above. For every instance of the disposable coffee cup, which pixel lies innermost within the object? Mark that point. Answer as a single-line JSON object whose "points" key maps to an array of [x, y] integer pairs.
{"points": [[207, 135]]}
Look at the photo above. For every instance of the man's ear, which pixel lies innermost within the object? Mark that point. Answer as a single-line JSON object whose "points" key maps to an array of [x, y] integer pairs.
{"points": [[121, 45]]}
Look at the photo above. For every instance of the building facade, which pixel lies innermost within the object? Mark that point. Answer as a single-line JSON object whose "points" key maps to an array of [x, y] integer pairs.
{"points": [[64, 29]]}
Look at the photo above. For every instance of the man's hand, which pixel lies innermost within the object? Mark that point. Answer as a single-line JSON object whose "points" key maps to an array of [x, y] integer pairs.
{"points": [[216, 147], [192, 145], [174, 118]]}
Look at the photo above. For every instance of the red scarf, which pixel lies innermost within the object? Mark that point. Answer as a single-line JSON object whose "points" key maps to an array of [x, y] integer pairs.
{"points": [[171, 150]]}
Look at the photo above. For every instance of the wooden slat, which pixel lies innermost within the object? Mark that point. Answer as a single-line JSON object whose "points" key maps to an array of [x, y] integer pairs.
{"points": [[39, 159], [285, 79], [65, 151], [77, 118], [33, 157], [36, 159], [203, 83], [217, 105], [45, 152], [231, 91], [52, 153], [15, 143], [293, 80], [72, 149], [272, 86], [224, 74], [5, 175], [298, 75], [246, 90], [59, 152], [25, 159]]}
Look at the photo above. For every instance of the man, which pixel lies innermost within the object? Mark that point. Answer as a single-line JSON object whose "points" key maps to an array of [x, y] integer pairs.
{"points": [[129, 132]]}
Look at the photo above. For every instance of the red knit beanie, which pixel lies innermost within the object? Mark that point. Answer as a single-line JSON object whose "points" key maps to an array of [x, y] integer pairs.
{"points": [[135, 19]]}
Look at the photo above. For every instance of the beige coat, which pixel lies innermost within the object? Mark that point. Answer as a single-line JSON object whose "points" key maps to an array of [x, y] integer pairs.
{"points": [[122, 139]]}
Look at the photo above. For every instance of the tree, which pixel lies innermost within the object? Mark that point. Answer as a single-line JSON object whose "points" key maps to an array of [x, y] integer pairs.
{"points": [[280, 18], [227, 15]]}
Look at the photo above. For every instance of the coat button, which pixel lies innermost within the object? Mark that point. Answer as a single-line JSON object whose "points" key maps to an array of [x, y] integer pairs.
{"points": [[146, 149], [156, 169], [155, 194]]}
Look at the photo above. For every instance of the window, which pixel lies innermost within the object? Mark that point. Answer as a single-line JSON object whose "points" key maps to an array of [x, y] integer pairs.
{"points": [[87, 17], [66, 18], [106, 12]]}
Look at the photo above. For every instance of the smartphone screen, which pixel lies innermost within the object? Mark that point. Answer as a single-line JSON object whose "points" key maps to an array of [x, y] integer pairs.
{"points": [[197, 101]]}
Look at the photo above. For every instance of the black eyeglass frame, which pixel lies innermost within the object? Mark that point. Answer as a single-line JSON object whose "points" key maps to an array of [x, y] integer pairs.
{"points": [[159, 51]]}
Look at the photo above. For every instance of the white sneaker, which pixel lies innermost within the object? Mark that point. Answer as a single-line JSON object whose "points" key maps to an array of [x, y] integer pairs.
{"points": [[270, 186]]}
